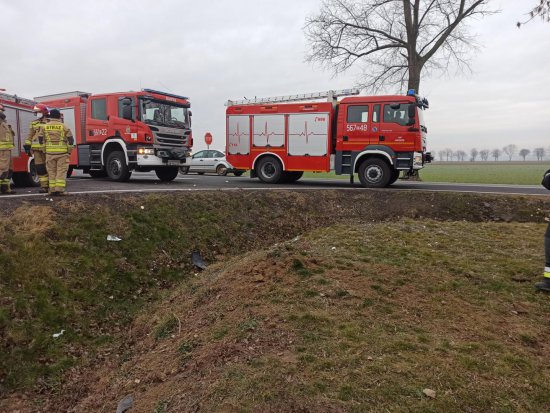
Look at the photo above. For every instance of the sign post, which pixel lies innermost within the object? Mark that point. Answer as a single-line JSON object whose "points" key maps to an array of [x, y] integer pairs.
{"points": [[208, 139]]}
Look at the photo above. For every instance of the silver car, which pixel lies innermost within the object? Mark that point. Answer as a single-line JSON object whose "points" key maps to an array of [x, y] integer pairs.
{"points": [[209, 161]]}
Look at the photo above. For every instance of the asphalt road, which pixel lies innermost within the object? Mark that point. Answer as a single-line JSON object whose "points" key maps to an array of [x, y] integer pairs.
{"points": [[148, 182]]}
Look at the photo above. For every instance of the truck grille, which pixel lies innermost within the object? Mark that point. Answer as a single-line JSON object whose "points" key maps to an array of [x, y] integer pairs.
{"points": [[164, 140]]}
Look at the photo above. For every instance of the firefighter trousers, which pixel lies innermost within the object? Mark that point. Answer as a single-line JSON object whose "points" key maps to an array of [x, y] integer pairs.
{"points": [[6, 171], [40, 165], [547, 252], [58, 165]]}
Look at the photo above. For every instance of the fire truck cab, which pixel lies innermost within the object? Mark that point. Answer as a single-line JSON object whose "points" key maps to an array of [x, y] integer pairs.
{"points": [[117, 133]]}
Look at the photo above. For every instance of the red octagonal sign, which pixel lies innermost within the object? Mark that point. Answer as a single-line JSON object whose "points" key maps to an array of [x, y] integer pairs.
{"points": [[208, 138]]}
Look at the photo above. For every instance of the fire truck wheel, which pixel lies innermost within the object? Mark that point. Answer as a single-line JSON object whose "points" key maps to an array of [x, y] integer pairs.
{"points": [[167, 174], [221, 170], [116, 167], [375, 173], [25, 179], [394, 176], [269, 170]]}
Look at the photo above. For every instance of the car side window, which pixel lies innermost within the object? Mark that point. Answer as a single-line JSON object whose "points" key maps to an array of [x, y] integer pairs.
{"points": [[199, 155], [218, 154]]}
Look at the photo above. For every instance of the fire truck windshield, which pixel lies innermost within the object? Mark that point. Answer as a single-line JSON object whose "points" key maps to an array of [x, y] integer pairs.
{"points": [[156, 112]]}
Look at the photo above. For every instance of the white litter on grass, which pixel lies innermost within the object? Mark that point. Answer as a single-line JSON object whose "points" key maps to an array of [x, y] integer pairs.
{"points": [[113, 238], [55, 335], [333, 248], [142, 207]]}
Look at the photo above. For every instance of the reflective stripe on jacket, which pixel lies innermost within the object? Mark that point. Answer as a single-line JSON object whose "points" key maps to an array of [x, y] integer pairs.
{"points": [[35, 131], [6, 137], [57, 137]]}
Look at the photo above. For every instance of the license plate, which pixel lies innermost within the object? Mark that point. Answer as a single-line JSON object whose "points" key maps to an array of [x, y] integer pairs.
{"points": [[175, 163]]}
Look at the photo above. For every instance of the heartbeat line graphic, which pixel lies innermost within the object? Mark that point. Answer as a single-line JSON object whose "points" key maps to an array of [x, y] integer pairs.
{"points": [[238, 133], [268, 134], [307, 133]]}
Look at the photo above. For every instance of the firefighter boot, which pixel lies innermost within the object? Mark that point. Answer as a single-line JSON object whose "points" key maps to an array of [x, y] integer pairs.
{"points": [[544, 285]]}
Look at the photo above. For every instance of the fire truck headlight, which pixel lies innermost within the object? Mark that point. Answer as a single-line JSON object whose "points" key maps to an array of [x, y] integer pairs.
{"points": [[146, 151]]}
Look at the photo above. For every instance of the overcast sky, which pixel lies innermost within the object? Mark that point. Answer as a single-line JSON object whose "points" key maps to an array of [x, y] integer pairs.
{"points": [[217, 49]]}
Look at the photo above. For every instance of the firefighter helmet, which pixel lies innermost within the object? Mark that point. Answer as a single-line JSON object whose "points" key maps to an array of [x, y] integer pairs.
{"points": [[55, 114], [41, 108]]}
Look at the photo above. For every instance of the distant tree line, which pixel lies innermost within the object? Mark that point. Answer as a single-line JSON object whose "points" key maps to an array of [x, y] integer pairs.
{"points": [[508, 152]]}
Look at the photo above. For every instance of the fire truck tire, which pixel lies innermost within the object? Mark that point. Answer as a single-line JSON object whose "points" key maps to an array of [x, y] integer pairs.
{"points": [[167, 174], [221, 170], [26, 179], [394, 176], [374, 173], [269, 170], [116, 167]]}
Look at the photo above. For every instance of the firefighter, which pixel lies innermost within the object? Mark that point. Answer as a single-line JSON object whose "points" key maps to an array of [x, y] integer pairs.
{"points": [[544, 285], [6, 163], [34, 148], [58, 142]]}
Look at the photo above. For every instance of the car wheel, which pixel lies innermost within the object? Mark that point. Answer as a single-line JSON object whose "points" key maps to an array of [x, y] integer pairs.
{"points": [[221, 170], [167, 174], [184, 170], [116, 167], [269, 170], [374, 173]]}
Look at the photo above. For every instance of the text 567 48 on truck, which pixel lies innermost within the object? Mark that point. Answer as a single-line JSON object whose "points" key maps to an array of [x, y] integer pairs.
{"points": [[376, 137], [117, 133]]}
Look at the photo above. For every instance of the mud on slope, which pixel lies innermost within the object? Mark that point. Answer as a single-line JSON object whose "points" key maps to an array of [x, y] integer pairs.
{"points": [[158, 241]]}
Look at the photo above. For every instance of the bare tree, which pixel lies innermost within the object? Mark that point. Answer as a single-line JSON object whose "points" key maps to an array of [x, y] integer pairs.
{"points": [[496, 153], [510, 150], [524, 153], [473, 154], [460, 155], [539, 153], [394, 41], [542, 10], [449, 154], [484, 154], [441, 155]]}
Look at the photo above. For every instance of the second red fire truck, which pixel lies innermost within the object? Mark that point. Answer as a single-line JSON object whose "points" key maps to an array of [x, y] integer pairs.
{"points": [[117, 133], [376, 137]]}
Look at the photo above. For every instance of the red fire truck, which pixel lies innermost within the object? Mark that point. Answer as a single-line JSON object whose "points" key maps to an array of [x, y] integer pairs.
{"points": [[117, 133], [377, 137], [19, 115]]}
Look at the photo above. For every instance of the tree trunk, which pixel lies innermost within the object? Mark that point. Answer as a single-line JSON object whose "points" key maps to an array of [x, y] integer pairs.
{"points": [[414, 76]]}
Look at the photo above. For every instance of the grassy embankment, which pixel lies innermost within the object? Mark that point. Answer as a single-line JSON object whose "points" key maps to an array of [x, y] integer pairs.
{"points": [[514, 173], [355, 315]]}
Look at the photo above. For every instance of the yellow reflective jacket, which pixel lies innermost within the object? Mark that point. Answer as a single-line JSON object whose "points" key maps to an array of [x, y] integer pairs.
{"points": [[6, 137], [58, 138], [34, 133]]}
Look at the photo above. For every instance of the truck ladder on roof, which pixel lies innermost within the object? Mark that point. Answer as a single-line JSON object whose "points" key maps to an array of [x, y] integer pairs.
{"points": [[331, 95], [16, 99]]}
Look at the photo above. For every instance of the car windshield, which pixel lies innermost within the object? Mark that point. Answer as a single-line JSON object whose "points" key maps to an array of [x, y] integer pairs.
{"points": [[157, 112]]}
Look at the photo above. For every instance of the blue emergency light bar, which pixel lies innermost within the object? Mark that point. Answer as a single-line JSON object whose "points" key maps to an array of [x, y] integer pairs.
{"points": [[165, 94], [411, 92]]}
